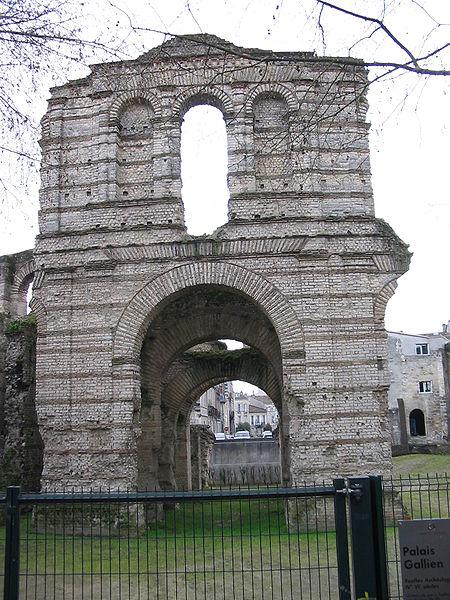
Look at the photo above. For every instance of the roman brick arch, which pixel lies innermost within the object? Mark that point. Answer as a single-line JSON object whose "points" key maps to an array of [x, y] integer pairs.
{"points": [[132, 97], [187, 305], [271, 89], [22, 273], [135, 319], [380, 302], [203, 314], [19, 289], [197, 328], [199, 375], [203, 95]]}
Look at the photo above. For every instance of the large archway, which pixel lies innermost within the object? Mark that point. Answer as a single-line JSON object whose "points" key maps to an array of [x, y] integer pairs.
{"points": [[139, 312], [175, 368]]}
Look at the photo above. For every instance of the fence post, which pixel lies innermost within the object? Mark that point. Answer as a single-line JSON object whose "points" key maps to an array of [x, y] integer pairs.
{"points": [[376, 486], [342, 550], [367, 534], [12, 544]]}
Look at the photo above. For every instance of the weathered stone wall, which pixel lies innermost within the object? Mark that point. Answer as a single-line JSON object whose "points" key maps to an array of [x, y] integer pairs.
{"points": [[22, 451], [121, 291], [17, 374], [16, 273]]}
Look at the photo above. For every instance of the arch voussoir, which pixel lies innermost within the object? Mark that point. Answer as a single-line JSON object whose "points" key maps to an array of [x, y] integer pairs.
{"points": [[134, 320]]}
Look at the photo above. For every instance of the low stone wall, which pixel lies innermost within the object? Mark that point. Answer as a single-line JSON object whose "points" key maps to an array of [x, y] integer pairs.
{"points": [[421, 449], [246, 462]]}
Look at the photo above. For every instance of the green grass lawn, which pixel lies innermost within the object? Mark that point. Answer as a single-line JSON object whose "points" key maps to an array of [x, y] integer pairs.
{"points": [[237, 549], [412, 464], [421, 483], [212, 550]]}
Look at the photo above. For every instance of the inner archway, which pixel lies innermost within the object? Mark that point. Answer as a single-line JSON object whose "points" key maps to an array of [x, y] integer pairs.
{"points": [[225, 448], [181, 358]]}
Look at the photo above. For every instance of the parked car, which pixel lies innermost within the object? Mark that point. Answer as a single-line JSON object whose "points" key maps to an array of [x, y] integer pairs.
{"points": [[220, 436], [242, 435], [267, 435]]}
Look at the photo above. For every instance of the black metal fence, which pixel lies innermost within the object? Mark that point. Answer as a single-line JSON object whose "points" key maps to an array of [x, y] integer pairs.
{"points": [[411, 497], [263, 543]]}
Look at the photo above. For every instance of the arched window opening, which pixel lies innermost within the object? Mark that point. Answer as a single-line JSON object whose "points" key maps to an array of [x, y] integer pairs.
{"points": [[416, 423], [204, 169], [135, 150]]}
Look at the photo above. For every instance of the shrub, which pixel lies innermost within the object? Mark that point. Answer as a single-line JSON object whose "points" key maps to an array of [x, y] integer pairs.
{"points": [[243, 426], [18, 325]]}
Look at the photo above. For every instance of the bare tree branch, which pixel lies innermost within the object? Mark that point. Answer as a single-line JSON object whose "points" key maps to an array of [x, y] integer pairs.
{"points": [[21, 154], [376, 21], [269, 56], [38, 38]]}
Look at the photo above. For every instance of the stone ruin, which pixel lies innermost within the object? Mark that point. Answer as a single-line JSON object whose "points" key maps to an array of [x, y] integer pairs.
{"points": [[301, 272]]}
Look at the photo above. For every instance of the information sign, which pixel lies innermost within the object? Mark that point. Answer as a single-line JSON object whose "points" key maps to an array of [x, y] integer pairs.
{"points": [[425, 559]]}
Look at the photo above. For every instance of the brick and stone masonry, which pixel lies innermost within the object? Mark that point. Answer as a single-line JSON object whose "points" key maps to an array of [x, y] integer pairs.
{"points": [[301, 272]]}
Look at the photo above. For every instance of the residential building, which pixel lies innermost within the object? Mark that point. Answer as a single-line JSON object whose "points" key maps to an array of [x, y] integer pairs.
{"points": [[215, 408], [256, 409], [419, 396]]}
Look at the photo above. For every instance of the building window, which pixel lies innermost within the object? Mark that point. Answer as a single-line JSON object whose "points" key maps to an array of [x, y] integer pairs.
{"points": [[422, 349], [239, 408], [425, 387], [253, 419], [416, 422]]}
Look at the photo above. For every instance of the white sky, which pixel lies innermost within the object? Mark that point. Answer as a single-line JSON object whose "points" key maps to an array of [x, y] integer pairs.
{"points": [[409, 134]]}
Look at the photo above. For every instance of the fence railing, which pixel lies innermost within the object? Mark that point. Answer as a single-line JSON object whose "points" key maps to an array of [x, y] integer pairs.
{"points": [[411, 497], [261, 543], [248, 543]]}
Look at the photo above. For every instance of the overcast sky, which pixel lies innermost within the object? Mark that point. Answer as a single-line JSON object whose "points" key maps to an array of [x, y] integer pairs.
{"points": [[409, 134]]}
